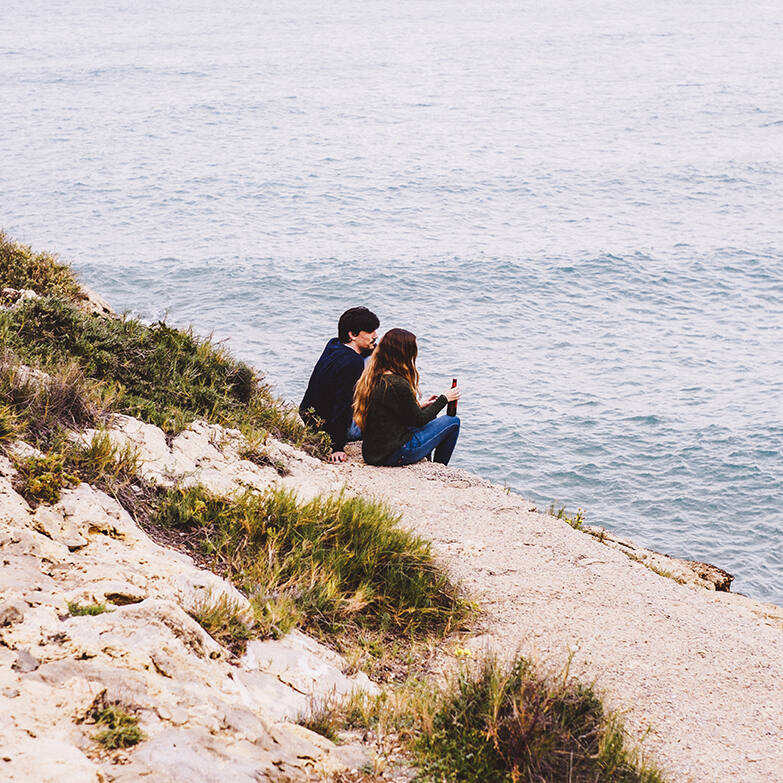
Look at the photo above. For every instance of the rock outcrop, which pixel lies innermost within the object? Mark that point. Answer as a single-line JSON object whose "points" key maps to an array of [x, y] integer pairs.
{"points": [[206, 714]]}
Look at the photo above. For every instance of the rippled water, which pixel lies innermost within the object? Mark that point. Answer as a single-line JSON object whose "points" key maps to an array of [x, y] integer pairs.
{"points": [[577, 207]]}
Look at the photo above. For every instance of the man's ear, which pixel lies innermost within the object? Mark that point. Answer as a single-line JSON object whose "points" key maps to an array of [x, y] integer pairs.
{"points": [[352, 335]]}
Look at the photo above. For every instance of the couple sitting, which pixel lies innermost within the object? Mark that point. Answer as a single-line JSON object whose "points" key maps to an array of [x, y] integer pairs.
{"points": [[362, 392]]}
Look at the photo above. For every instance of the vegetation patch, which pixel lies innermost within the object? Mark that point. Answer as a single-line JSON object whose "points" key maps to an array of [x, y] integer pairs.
{"points": [[162, 375], [497, 724], [225, 621], [76, 609], [332, 564], [575, 520], [118, 724], [41, 479], [44, 406], [20, 267]]}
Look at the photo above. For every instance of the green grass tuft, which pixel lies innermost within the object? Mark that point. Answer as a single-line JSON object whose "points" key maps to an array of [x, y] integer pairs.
{"points": [[41, 479], [575, 520], [121, 725], [20, 267], [78, 610], [46, 405], [225, 622], [495, 724], [333, 563], [504, 724], [10, 426]]}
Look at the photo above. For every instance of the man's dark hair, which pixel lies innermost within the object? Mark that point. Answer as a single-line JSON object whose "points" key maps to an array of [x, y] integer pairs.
{"points": [[357, 319]]}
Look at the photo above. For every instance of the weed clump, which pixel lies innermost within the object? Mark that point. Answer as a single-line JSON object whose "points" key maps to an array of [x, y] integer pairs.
{"points": [[224, 620], [76, 609], [331, 564], [500, 725], [44, 405], [575, 520], [495, 723], [41, 479], [121, 726], [20, 267]]}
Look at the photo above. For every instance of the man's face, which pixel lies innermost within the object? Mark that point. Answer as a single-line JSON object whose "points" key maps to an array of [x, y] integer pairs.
{"points": [[364, 341]]}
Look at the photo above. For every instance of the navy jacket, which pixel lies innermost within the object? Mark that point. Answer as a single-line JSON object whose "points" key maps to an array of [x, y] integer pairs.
{"points": [[330, 391]]}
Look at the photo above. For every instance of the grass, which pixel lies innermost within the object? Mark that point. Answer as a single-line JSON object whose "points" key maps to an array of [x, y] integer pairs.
{"points": [[120, 725], [224, 620], [76, 609], [502, 724], [575, 520], [41, 479], [157, 373], [496, 724], [39, 407], [332, 565], [20, 267]]}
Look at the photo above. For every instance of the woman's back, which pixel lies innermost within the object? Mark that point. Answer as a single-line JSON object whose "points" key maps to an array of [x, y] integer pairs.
{"points": [[392, 412]]}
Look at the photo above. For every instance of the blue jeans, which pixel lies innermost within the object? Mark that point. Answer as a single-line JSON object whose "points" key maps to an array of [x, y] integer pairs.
{"points": [[354, 433], [440, 434]]}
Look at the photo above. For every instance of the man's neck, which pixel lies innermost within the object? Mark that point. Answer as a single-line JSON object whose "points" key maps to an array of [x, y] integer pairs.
{"points": [[350, 344]]}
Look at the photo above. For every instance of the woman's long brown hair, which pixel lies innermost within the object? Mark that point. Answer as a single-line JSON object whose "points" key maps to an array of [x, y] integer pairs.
{"points": [[396, 352]]}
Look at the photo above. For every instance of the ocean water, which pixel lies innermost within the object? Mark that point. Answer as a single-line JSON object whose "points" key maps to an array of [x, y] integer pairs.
{"points": [[575, 205]]}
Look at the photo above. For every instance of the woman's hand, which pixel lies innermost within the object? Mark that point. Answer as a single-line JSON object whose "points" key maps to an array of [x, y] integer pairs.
{"points": [[429, 400], [453, 394]]}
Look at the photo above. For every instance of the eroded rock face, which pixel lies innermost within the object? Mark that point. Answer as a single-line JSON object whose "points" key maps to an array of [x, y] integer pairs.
{"points": [[212, 455], [206, 715]]}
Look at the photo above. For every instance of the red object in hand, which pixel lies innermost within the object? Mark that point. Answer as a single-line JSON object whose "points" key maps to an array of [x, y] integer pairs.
{"points": [[451, 408]]}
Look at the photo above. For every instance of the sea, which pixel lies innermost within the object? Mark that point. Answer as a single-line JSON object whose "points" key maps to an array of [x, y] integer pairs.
{"points": [[576, 205]]}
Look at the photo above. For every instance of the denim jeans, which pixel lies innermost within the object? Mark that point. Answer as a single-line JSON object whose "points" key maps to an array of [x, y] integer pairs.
{"points": [[439, 434], [354, 433]]}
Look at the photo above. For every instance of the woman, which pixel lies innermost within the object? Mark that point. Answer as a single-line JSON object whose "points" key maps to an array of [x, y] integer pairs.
{"points": [[396, 428]]}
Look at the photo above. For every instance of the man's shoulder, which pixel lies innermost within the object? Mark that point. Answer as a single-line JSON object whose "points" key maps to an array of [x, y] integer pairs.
{"points": [[337, 358]]}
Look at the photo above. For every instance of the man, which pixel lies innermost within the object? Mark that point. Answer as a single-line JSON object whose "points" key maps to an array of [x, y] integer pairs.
{"points": [[329, 394]]}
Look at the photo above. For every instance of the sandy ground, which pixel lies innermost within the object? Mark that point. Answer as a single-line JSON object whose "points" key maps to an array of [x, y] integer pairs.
{"points": [[698, 675]]}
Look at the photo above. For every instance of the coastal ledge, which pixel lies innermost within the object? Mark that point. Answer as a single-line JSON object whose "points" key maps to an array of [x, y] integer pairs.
{"points": [[694, 671]]}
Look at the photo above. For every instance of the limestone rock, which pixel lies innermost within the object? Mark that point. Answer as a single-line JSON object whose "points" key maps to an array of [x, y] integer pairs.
{"points": [[206, 715], [684, 571]]}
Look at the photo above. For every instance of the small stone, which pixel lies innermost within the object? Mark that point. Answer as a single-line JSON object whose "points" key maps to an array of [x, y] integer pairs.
{"points": [[24, 663], [10, 614], [10, 693]]}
